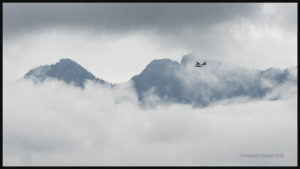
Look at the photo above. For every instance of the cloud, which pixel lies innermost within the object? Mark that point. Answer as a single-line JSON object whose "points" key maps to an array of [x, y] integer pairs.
{"points": [[253, 35], [120, 17], [56, 124]]}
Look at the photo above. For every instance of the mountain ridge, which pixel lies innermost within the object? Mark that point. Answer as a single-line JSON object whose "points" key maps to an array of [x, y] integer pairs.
{"points": [[181, 82]]}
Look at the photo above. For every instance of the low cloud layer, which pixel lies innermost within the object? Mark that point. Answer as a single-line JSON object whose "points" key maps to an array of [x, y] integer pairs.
{"points": [[56, 124]]}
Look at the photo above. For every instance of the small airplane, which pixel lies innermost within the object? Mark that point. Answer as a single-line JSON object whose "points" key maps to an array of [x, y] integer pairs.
{"points": [[200, 65]]}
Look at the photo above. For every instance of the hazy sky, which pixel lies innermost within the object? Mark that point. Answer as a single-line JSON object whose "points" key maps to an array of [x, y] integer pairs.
{"points": [[115, 41]]}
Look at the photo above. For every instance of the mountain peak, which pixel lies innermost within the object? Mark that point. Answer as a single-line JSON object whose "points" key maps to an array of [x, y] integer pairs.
{"points": [[66, 60], [187, 58], [66, 70], [159, 65]]}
